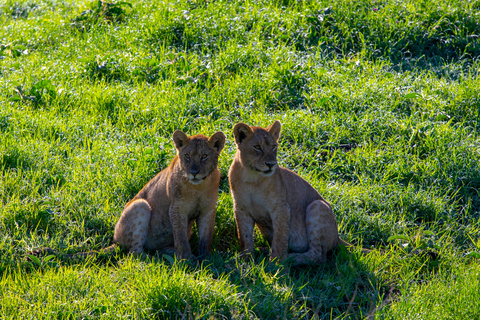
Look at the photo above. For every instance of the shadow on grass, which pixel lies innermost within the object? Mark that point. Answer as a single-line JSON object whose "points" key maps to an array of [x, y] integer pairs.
{"points": [[14, 157], [342, 287], [346, 286]]}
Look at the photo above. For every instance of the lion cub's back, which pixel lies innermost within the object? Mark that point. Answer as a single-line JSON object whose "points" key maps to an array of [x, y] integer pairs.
{"points": [[155, 191], [299, 192]]}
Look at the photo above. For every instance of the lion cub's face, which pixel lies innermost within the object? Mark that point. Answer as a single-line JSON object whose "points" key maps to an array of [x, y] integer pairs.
{"points": [[198, 154], [258, 146]]}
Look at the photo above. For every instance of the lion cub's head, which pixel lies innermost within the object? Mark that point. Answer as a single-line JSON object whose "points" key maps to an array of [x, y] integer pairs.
{"points": [[198, 154], [258, 146]]}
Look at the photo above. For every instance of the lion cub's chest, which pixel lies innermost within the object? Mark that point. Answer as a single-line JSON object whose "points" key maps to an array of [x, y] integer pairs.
{"points": [[258, 204], [193, 201]]}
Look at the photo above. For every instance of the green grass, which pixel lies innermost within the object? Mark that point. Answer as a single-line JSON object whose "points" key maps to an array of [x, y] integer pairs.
{"points": [[379, 103], [452, 294]]}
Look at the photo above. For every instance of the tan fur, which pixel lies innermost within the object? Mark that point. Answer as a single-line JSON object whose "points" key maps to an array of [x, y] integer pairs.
{"points": [[294, 218], [162, 214]]}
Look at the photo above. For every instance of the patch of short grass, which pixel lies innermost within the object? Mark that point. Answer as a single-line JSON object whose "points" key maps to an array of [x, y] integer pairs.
{"points": [[131, 288], [452, 294], [379, 106]]}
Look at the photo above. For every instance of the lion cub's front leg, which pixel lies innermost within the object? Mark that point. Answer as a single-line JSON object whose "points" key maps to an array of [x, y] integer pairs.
{"points": [[245, 226], [205, 226], [280, 225], [180, 228]]}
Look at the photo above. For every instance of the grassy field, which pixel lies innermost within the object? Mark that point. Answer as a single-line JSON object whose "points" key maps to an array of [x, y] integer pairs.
{"points": [[380, 106]]}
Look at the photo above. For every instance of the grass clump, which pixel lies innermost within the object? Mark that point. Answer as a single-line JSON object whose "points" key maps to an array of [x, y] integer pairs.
{"points": [[452, 294], [158, 291]]}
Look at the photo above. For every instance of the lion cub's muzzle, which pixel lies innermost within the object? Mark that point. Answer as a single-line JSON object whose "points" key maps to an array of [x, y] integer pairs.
{"points": [[194, 176], [268, 168]]}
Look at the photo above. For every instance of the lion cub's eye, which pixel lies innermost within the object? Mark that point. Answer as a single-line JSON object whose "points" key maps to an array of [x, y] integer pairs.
{"points": [[187, 157], [257, 147], [204, 156]]}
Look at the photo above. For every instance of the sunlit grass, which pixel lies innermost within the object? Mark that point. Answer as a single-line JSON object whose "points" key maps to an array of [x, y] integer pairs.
{"points": [[379, 103]]}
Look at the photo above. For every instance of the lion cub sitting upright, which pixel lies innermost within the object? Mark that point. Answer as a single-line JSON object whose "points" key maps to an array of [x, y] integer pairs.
{"points": [[162, 214], [289, 212]]}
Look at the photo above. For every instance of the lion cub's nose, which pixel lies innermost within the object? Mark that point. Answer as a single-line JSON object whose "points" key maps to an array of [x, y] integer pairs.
{"points": [[194, 169], [270, 164]]}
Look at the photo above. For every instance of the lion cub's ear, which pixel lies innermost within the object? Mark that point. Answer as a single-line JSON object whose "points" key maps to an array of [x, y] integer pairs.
{"points": [[241, 131], [275, 129], [217, 140], [180, 139]]}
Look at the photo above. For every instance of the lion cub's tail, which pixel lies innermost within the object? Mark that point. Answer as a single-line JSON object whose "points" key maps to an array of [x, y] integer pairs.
{"points": [[349, 245]]}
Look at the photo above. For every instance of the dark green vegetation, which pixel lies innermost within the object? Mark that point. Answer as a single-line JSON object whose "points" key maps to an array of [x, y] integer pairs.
{"points": [[379, 102]]}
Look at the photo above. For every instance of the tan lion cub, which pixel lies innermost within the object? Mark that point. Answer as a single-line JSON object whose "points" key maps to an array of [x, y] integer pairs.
{"points": [[289, 212], [162, 214]]}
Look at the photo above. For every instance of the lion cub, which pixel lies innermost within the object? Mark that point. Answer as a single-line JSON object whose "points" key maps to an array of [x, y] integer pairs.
{"points": [[162, 214], [289, 212]]}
